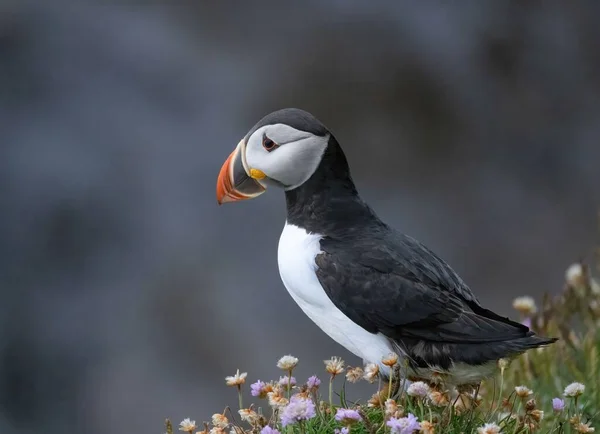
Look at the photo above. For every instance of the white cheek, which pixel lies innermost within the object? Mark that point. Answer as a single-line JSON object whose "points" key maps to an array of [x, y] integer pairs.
{"points": [[293, 162], [276, 164]]}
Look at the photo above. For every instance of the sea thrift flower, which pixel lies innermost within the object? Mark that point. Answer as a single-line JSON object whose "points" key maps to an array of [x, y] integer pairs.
{"points": [[237, 379], [276, 398], [217, 430], [427, 427], [287, 381], [404, 425], [392, 409], [187, 425], [375, 400], [371, 372], [418, 389], [269, 430], [313, 382], [287, 363], [558, 405], [344, 430], [260, 389], [489, 428], [503, 363], [574, 390], [297, 410], [530, 405], [347, 416], [584, 427], [354, 374], [575, 276], [390, 360], [304, 392], [438, 399], [525, 305], [249, 415], [334, 366], [537, 415], [220, 420], [523, 392]]}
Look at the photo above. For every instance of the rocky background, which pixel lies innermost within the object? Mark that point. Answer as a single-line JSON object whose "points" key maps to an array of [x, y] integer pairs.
{"points": [[127, 294]]}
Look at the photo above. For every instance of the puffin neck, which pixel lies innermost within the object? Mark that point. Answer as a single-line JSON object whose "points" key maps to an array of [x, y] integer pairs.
{"points": [[328, 200]]}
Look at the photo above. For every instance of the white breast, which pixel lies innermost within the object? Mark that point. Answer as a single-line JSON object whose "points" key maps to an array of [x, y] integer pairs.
{"points": [[296, 257]]}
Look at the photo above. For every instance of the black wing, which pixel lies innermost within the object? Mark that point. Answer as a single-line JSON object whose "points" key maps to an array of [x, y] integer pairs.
{"points": [[390, 283]]}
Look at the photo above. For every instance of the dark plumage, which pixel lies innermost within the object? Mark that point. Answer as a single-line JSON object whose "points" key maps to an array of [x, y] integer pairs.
{"points": [[295, 118], [387, 282]]}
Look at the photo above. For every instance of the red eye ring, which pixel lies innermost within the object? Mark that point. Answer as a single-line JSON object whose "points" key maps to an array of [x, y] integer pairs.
{"points": [[269, 144]]}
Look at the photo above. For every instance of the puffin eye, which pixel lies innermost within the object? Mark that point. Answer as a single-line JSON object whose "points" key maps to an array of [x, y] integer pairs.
{"points": [[269, 144]]}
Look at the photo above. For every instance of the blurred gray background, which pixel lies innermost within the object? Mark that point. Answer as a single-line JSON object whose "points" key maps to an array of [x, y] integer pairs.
{"points": [[128, 294]]}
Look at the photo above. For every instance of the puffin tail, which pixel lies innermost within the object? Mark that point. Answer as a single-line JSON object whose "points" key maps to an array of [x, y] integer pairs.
{"points": [[476, 354]]}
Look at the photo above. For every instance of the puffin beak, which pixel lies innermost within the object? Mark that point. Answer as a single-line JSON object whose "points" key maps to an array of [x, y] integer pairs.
{"points": [[234, 183]]}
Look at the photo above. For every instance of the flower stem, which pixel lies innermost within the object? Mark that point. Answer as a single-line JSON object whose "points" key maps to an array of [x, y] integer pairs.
{"points": [[240, 397], [501, 388], [289, 388], [517, 414], [331, 392], [380, 397], [390, 386]]}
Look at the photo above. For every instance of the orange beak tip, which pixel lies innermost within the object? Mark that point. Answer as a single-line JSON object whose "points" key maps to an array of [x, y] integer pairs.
{"points": [[224, 185], [226, 190]]}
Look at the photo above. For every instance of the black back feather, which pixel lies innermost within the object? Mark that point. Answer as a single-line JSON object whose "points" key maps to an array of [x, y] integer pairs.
{"points": [[389, 283]]}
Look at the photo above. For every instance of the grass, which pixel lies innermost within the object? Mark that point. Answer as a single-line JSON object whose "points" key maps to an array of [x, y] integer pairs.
{"points": [[573, 316]]}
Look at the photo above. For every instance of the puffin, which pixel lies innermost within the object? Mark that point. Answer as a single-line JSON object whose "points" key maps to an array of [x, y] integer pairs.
{"points": [[371, 288]]}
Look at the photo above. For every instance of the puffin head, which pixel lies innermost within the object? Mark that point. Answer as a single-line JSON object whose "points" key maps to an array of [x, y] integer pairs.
{"points": [[283, 149]]}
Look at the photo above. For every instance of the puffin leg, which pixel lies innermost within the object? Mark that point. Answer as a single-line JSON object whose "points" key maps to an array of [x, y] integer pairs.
{"points": [[396, 382]]}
